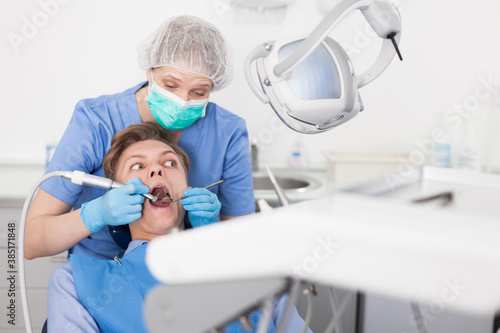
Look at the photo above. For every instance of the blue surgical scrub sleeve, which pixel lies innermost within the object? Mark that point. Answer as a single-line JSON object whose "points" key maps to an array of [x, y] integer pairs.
{"points": [[85, 141], [82, 147]]}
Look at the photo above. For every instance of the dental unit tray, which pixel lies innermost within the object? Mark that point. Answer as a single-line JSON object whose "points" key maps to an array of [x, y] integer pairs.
{"points": [[458, 191], [370, 243]]}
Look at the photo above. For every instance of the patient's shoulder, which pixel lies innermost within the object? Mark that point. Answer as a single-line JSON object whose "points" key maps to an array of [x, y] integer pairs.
{"points": [[62, 277]]}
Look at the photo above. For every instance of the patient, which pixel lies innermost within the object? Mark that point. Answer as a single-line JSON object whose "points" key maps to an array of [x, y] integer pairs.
{"points": [[87, 294]]}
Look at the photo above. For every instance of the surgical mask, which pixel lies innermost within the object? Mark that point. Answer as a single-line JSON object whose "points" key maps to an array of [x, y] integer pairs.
{"points": [[171, 111]]}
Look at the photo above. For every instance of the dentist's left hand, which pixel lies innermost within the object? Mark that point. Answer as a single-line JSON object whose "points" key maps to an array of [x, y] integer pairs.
{"points": [[118, 206], [203, 206]]}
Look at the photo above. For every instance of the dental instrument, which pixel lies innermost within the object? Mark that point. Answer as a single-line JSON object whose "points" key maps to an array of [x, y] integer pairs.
{"points": [[309, 81], [284, 201], [444, 197], [82, 178], [183, 197]]}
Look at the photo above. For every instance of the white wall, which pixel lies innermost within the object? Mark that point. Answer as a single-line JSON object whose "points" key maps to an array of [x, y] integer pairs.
{"points": [[87, 48]]}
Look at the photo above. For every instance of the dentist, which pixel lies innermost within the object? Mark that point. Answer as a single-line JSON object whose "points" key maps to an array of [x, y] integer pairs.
{"points": [[185, 60]]}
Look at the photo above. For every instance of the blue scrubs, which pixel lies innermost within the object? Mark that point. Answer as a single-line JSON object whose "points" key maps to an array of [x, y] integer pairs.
{"points": [[217, 145]]}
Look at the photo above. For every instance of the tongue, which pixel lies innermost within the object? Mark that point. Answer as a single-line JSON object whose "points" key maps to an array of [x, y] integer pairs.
{"points": [[160, 192]]}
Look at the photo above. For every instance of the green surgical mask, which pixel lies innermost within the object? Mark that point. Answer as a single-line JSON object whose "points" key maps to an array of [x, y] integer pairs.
{"points": [[171, 111]]}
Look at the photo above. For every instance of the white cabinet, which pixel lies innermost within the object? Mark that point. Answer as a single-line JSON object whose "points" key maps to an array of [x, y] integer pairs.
{"points": [[38, 273], [452, 202]]}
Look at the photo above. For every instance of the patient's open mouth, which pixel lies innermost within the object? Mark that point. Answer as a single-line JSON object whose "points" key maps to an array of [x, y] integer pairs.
{"points": [[160, 192]]}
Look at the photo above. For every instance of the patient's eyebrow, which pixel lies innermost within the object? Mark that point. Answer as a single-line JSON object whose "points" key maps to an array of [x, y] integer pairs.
{"points": [[142, 156], [166, 152], [134, 156]]}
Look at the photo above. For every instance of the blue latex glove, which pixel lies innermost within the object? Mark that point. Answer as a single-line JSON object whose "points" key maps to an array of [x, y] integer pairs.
{"points": [[203, 206], [118, 206]]}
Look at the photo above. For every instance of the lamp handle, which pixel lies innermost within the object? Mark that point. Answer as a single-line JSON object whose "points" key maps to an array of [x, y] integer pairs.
{"points": [[260, 51], [383, 60]]}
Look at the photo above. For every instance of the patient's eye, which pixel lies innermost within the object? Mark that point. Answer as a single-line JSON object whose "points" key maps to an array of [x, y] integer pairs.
{"points": [[136, 166], [170, 163]]}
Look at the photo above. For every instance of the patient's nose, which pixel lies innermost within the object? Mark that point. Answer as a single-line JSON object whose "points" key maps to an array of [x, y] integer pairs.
{"points": [[158, 172]]}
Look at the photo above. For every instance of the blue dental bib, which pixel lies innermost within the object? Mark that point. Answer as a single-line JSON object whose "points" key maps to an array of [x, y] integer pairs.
{"points": [[113, 292]]}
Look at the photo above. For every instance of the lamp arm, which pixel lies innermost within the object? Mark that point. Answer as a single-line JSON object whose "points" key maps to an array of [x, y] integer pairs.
{"points": [[318, 34]]}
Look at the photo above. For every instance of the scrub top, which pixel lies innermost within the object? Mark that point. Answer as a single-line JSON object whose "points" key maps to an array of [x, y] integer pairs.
{"points": [[217, 145]]}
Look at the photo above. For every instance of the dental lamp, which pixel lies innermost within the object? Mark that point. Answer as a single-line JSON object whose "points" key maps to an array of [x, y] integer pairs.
{"points": [[310, 81]]}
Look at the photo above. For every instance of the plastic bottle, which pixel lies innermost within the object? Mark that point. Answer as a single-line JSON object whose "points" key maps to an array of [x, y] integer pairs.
{"points": [[298, 158], [468, 153], [441, 152], [492, 129]]}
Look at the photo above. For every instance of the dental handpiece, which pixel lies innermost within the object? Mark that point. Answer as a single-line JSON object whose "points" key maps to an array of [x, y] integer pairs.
{"points": [[82, 178]]}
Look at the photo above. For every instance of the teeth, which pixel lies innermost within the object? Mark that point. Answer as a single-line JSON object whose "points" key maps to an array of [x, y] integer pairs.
{"points": [[160, 192]]}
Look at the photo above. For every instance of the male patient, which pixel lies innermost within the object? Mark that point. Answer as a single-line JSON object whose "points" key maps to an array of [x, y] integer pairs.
{"points": [[93, 295]]}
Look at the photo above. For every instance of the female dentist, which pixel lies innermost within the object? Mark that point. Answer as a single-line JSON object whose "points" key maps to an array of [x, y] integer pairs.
{"points": [[185, 60]]}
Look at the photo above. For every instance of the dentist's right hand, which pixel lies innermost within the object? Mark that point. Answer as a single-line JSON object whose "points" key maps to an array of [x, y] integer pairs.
{"points": [[118, 206]]}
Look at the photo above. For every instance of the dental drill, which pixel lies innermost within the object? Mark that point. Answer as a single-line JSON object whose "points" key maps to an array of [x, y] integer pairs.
{"points": [[82, 178]]}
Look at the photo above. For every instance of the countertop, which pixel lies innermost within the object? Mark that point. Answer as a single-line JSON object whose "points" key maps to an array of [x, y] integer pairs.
{"points": [[325, 187]]}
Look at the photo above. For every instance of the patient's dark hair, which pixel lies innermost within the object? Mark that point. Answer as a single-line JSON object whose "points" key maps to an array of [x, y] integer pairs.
{"points": [[137, 133]]}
